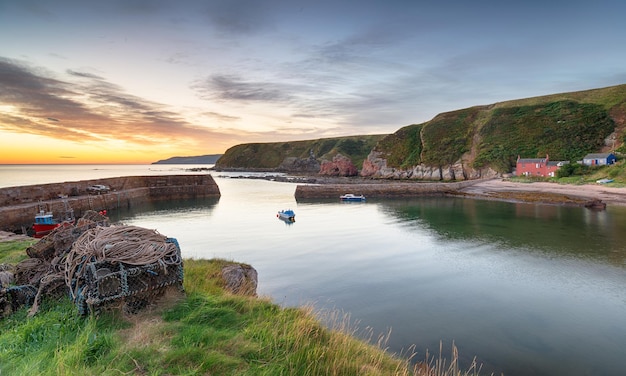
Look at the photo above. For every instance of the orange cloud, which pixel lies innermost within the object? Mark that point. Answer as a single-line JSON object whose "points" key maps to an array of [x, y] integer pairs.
{"points": [[89, 121]]}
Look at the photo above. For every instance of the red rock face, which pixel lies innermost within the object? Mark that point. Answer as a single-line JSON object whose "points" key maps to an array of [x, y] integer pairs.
{"points": [[372, 165], [340, 166]]}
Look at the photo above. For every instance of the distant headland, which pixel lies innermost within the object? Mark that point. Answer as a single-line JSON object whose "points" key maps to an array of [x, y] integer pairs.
{"points": [[200, 159]]}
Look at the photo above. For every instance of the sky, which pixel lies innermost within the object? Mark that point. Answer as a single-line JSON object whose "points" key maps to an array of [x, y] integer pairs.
{"points": [[136, 81]]}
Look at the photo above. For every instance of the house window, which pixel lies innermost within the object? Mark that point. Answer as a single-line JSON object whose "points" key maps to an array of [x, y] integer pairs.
{"points": [[537, 165]]}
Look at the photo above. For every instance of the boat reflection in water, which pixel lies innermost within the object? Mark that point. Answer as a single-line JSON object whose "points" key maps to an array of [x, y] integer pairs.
{"points": [[352, 197]]}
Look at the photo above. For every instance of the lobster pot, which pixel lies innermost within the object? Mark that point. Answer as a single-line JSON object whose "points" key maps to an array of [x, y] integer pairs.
{"points": [[133, 286], [14, 297]]}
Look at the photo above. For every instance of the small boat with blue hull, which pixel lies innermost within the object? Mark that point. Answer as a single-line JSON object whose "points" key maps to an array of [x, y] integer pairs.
{"points": [[352, 197], [287, 215]]}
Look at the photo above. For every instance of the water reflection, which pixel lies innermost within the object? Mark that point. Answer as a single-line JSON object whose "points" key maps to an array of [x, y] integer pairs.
{"points": [[528, 289], [166, 209], [563, 230]]}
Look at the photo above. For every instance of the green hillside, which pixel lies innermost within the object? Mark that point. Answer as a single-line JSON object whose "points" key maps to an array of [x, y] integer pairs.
{"points": [[270, 155], [565, 130], [566, 126]]}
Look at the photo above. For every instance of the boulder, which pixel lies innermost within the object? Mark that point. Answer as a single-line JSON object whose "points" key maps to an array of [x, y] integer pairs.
{"points": [[240, 279], [293, 164]]}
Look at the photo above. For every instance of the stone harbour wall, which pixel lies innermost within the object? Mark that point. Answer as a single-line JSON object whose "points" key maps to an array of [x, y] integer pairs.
{"points": [[19, 205], [388, 189]]}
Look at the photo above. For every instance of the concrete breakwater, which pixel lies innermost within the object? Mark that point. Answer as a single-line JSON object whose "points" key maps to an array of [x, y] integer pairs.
{"points": [[387, 189], [18, 205]]}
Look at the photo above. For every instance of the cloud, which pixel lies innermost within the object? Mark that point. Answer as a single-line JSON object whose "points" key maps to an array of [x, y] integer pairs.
{"points": [[221, 117], [88, 109], [231, 87], [83, 74], [20, 124], [239, 16]]}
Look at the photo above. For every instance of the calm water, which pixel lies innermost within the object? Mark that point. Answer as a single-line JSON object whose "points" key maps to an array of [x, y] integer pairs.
{"points": [[527, 289], [16, 175]]}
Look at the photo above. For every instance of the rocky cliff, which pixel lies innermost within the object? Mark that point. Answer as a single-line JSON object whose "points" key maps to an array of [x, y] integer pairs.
{"points": [[376, 167], [471, 143], [485, 141]]}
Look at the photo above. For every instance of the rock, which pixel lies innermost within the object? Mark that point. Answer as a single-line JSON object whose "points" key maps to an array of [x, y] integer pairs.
{"points": [[595, 204], [293, 164], [240, 279], [375, 166], [339, 166]]}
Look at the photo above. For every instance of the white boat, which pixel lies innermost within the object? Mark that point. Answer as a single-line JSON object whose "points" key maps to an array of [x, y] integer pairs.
{"points": [[352, 197], [287, 215], [604, 181]]}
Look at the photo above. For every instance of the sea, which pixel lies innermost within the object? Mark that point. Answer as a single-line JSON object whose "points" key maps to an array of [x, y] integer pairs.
{"points": [[524, 289]]}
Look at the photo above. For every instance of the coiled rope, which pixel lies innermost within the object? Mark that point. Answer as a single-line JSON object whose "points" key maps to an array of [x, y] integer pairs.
{"points": [[124, 244]]}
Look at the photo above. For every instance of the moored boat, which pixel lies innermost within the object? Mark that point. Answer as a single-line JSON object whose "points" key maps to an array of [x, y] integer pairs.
{"points": [[604, 181], [45, 221], [287, 215], [352, 197]]}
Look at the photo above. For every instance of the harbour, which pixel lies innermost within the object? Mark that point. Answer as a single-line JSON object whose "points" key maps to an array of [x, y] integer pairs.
{"points": [[526, 288]]}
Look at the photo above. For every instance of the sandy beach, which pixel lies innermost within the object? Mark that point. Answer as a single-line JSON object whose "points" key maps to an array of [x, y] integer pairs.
{"points": [[503, 189]]}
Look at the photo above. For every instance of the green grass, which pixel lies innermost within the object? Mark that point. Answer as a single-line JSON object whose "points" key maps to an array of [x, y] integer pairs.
{"points": [[13, 252], [448, 136], [565, 130], [617, 172], [403, 148], [205, 331]]}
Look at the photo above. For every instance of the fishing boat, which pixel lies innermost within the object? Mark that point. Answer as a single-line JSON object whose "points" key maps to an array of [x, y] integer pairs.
{"points": [[352, 197], [45, 221], [287, 215]]}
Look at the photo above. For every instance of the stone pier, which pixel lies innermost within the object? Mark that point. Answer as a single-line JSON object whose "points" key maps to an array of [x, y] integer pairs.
{"points": [[18, 205], [385, 189]]}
